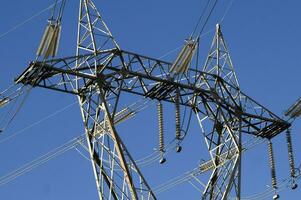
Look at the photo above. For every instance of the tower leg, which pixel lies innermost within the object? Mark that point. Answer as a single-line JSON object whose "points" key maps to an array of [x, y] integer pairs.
{"points": [[117, 175], [224, 146]]}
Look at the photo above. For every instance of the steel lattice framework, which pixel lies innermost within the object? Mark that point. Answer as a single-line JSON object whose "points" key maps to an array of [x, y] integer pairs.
{"points": [[100, 71]]}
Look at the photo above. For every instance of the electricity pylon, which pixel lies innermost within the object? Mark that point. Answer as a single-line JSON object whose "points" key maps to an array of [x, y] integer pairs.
{"points": [[100, 71]]}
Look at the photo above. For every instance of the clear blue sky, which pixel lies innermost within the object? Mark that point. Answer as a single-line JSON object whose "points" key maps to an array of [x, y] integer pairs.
{"points": [[264, 41]]}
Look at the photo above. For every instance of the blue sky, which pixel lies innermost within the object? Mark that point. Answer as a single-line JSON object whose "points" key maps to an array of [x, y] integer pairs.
{"points": [[264, 41]]}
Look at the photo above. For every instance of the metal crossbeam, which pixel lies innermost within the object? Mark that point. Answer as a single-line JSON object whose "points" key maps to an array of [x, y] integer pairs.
{"points": [[142, 75]]}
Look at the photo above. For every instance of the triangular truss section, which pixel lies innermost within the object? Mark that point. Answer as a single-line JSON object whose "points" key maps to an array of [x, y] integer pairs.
{"points": [[218, 61], [93, 33]]}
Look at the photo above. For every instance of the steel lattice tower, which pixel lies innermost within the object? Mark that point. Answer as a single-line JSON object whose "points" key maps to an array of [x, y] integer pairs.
{"points": [[100, 71]]}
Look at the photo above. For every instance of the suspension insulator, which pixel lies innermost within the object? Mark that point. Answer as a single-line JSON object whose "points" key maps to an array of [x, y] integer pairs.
{"points": [[178, 125], [160, 122], [178, 122], [272, 165], [291, 158], [161, 132]]}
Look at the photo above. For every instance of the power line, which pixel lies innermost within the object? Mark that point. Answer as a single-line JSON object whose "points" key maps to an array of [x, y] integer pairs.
{"points": [[37, 122], [200, 18], [26, 21], [227, 10], [207, 19], [28, 167]]}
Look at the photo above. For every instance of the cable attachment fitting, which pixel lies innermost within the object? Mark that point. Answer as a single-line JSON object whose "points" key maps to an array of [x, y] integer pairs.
{"points": [[276, 196], [161, 132]]}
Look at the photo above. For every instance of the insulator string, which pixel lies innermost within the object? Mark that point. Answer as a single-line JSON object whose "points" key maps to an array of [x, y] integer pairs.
{"points": [[161, 132], [178, 118], [272, 164], [290, 153], [160, 123], [291, 160]]}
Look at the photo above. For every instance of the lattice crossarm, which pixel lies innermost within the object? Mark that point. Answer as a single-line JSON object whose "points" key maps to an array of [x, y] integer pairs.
{"points": [[141, 76]]}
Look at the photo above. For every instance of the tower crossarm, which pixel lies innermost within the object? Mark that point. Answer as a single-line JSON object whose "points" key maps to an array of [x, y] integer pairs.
{"points": [[151, 78]]}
